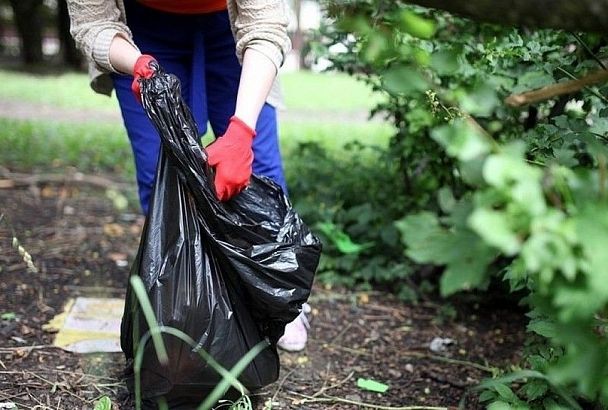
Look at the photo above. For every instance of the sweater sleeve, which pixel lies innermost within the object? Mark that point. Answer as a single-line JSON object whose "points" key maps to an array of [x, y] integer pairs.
{"points": [[261, 25], [94, 23]]}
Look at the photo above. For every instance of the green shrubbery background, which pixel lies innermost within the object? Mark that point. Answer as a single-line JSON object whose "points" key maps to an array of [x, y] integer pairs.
{"points": [[472, 186]]}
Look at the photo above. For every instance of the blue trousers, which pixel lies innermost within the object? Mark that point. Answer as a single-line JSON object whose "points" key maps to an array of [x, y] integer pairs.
{"points": [[200, 51]]}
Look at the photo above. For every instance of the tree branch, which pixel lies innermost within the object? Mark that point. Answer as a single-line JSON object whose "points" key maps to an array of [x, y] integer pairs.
{"points": [[581, 15], [555, 90]]}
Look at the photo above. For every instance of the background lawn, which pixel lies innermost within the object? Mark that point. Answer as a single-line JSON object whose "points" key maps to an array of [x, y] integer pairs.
{"points": [[330, 109]]}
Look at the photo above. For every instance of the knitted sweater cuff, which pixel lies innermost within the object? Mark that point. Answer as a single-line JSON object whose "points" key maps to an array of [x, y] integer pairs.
{"points": [[101, 48], [268, 49]]}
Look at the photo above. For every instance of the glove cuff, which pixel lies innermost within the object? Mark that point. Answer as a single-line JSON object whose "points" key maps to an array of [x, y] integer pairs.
{"points": [[243, 128]]}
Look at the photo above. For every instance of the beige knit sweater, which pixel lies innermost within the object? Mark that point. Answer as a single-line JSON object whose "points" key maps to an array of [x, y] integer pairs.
{"points": [[256, 24]]}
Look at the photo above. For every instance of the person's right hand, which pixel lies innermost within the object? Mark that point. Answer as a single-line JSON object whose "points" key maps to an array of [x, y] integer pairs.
{"points": [[143, 68]]}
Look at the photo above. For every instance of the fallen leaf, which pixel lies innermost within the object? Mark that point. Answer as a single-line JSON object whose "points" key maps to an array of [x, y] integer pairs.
{"points": [[372, 385], [113, 230]]}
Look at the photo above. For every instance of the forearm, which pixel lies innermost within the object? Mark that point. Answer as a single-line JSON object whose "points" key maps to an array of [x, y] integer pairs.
{"points": [[257, 76], [123, 55]]}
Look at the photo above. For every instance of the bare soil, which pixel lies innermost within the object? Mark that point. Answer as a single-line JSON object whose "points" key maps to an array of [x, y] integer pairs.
{"points": [[79, 244]]}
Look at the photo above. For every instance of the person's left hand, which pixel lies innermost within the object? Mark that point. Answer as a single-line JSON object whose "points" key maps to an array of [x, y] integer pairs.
{"points": [[232, 157]]}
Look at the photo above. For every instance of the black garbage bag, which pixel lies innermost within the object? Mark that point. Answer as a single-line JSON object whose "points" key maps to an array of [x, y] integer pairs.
{"points": [[227, 274]]}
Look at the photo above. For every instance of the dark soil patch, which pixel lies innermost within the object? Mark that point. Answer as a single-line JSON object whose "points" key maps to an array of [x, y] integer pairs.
{"points": [[79, 241]]}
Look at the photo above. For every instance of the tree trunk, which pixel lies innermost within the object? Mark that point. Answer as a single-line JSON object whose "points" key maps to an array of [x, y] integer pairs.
{"points": [[580, 15], [28, 19], [297, 41], [71, 56]]}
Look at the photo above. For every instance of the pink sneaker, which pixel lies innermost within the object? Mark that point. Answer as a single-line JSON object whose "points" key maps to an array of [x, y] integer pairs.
{"points": [[296, 333]]}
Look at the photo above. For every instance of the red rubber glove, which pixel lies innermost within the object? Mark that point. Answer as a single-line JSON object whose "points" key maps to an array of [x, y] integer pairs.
{"points": [[142, 69], [231, 156]]}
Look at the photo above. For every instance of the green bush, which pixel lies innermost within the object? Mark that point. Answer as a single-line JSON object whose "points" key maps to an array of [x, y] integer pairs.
{"points": [[487, 191], [353, 197]]}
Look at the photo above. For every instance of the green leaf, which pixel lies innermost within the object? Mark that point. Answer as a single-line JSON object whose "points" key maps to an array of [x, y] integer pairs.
{"points": [[466, 257], [592, 224], [521, 181], [543, 327], [372, 385], [8, 316], [499, 405], [103, 404], [423, 236], [376, 44], [480, 101], [461, 140], [341, 239], [532, 80], [416, 26], [402, 79], [487, 395], [467, 273], [444, 62], [446, 199], [494, 228], [535, 389], [505, 392]]}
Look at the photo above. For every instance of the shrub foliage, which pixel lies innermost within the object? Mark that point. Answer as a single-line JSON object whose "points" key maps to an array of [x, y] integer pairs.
{"points": [[474, 186]]}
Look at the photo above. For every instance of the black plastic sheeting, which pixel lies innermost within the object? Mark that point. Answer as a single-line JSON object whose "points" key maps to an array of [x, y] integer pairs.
{"points": [[227, 274]]}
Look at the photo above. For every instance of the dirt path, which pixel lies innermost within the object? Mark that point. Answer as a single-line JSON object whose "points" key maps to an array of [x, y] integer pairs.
{"points": [[23, 110], [78, 242]]}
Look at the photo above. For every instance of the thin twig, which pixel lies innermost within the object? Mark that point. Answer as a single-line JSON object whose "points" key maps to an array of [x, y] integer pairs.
{"points": [[589, 51], [280, 386], [339, 335], [591, 90], [327, 369], [334, 399], [421, 355], [333, 386], [26, 348], [14, 179]]}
